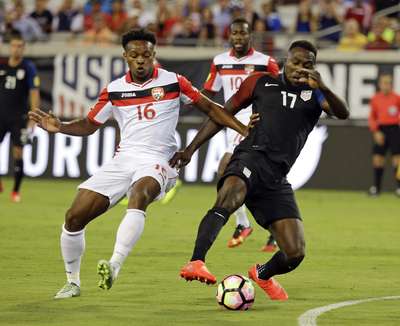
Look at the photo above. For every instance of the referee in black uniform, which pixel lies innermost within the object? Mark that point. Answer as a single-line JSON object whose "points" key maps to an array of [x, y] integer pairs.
{"points": [[19, 91], [289, 107]]}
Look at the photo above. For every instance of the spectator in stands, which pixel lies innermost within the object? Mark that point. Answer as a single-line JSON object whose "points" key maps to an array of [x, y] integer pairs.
{"points": [[16, 19], [361, 12], [261, 40], [165, 20], [381, 35], [352, 39], [329, 17], [249, 13], [65, 16], [208, 29], [135, 8], [193, 10], [187, 35], [384, 123], [271, 17], [93, 15], [306, 21], [222, 16], [99, 33], [116, 20], [43, 16], [105, 6], [131, 23]]}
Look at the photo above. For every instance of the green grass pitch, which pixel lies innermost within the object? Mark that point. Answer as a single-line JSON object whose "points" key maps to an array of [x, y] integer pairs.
{"points": [[352, 253]]}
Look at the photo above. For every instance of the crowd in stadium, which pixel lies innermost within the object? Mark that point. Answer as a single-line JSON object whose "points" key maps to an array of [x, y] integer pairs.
{"points": [[345, 24]]}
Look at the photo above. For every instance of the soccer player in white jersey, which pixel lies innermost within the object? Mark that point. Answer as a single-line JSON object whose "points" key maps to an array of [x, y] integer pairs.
{"points": [[145, 102], [228, 70]]}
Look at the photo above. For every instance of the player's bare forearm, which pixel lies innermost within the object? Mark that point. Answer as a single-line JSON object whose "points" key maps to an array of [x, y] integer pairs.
{"points": [[337, 106], [80, 127], [207, 93], [34, 97], [206, 132]]}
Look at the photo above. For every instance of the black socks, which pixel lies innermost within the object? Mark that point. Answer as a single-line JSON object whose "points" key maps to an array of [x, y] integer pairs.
{"points": [[209, 228], [278, 264], [378, 173], [18, 174]]}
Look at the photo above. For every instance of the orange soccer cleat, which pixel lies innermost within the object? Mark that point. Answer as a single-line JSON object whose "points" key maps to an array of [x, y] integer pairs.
{"points": [[15, 197], [270, 246], [197, 270], [271, 287], [240, 234]]}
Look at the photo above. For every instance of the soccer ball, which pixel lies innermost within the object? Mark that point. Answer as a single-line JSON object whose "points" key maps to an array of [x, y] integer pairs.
{"points": [[235, 292]]}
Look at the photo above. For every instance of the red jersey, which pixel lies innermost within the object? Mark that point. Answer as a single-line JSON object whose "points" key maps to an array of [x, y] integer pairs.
{"points": [[385, 110]]}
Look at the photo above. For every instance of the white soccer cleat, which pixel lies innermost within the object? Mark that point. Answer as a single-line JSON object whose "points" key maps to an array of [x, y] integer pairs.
{"points": [[69, 290]]}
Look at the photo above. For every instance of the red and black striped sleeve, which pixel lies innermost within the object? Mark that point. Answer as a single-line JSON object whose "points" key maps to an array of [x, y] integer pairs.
{"points": [[244, 96]]}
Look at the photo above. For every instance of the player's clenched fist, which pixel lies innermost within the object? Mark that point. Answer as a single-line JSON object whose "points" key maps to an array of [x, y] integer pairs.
{"points": [[46, 121], [180, 159], [312, 78]]}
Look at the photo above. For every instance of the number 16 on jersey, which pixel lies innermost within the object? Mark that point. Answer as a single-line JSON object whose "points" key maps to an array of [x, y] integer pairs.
{"points": [[146, 112]]}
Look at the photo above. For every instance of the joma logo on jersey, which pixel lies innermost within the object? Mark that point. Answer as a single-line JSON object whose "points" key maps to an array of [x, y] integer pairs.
{"points": [[158, 93], [130, 94]]}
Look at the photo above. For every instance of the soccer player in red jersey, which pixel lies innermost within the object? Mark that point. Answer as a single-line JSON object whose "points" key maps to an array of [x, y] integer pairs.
{"points": [[228, 71], [145, 102], [384, 123], [289, 106]]}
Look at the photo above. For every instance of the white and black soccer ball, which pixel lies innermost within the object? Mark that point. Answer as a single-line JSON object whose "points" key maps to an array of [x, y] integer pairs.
{"points": [[235, 292]]}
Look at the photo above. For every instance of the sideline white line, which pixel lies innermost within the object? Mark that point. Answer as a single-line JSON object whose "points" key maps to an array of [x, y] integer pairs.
{"points": [[309, 318]]}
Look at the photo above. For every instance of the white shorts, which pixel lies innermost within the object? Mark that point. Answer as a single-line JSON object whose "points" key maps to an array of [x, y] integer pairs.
{"points": [[115, 178], [233, 138]]}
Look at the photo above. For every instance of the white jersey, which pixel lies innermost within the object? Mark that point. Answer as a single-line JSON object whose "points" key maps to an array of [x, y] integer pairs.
{"points": [[228, 72], [147, 114]]}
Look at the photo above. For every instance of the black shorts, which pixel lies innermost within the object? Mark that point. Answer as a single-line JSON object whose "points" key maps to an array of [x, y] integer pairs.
{"points": [[269, 197], [392, 141], [13, 126]]}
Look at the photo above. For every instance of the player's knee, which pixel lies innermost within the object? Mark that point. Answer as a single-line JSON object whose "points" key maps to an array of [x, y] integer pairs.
{"points": [[73, 221], [296, 251], [142, 199], [231, 197]]}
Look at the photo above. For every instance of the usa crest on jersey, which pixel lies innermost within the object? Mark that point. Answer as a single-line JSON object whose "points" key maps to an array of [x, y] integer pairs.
{"points": [[306, 95], [158, 93]]}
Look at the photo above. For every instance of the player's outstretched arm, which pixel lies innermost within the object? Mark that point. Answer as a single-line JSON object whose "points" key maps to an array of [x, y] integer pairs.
{"points": [[50, 123], [207, 93], [207, 131], [334, 105]]}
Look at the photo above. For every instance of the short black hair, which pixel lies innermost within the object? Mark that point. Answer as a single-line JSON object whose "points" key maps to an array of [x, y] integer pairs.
{"points": [[240, 20], [139, 34], [304, 44]]}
